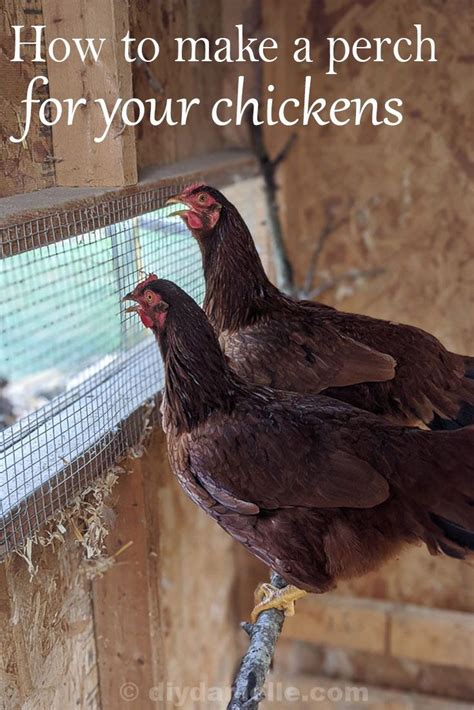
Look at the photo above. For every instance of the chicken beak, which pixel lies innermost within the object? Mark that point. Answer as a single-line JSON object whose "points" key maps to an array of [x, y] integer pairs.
{"points": [[173, 200], [130, 309], [176, 200]]}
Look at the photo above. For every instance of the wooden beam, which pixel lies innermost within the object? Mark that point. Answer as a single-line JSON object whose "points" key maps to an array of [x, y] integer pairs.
{"points": [[436, 636], [219, 169], [79, 161]]}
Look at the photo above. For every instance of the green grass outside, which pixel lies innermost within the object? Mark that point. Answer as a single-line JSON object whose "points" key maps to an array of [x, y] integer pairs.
{"points": [[60, 304]]}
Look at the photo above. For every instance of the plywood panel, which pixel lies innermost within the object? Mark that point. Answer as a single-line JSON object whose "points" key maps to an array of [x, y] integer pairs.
{"points": [[406, 191], [47, 645]]}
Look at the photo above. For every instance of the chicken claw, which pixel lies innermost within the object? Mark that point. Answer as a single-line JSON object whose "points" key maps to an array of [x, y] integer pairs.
{"points": [[269, 597]]}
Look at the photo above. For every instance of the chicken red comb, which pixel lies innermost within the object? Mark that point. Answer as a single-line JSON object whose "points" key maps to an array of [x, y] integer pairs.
{"points": [[149, 279], [194, 186]]}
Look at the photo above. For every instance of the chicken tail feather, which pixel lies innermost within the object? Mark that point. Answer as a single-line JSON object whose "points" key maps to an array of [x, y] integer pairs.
{"points": [[465, 414], [466, 411], [454, 533], [455, 517], [450, 551], [469, 365]]}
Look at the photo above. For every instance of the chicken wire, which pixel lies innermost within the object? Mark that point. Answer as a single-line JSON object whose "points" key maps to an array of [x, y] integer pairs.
{"points": [[75, 369]]}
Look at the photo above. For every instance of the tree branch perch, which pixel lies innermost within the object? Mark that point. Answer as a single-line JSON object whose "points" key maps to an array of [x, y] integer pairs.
{"points": [[247, 688]]}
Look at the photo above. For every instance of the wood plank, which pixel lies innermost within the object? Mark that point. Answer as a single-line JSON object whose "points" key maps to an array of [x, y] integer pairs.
{"points": [[365, 668], [164, 615], [249, 14], [122, 610], [80, 161], [340, 621], [435, 636], [416, 577]]}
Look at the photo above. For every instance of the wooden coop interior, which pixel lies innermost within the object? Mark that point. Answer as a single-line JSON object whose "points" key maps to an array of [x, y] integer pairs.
{"points": [[389, 210]]}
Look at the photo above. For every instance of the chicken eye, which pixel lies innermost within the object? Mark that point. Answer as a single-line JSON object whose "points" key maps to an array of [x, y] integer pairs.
{"points": [[202, 198], [149, 296]]}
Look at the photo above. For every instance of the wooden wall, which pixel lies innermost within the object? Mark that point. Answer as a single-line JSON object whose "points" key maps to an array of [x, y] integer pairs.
{"points": [[406, 192]]}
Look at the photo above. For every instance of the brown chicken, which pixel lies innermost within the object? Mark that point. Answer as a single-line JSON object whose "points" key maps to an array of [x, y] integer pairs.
{"points": [[317, 489], [304, 346]]}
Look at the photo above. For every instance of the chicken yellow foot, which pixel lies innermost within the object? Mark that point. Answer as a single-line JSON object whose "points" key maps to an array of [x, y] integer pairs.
{"points": [[269, 597]]}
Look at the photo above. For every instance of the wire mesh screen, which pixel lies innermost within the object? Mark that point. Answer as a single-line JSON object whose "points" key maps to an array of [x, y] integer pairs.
{"points": [[74, 368]]}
